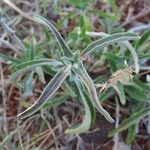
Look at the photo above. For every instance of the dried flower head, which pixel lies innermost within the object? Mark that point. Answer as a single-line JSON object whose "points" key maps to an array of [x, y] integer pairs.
{"points": [[122, 75]]}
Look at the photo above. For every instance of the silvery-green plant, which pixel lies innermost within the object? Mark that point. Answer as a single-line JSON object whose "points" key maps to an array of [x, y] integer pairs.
{"points": [[69, 68]]}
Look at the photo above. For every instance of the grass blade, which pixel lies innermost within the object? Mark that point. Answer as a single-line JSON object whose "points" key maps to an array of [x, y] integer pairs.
{"points": [[65, 48], [130, 121], [48, 92]]}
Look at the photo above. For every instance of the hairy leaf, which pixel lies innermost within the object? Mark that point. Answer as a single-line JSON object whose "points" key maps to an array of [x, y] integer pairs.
{"points": [[106, 94], [48, 92], [135, 117], [108, 40], [30, 65], [131, 134], [85, 125], [37, 62], [65, 48], [142, 85], [144, 37], [136, 93], [120, 91], [92, 91], [28, 85], [134, 54], [8, 58], [56, 101]]}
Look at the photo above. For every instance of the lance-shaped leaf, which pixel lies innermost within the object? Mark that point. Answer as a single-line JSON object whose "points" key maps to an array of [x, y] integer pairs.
{"points": [[92, 91], [131, 133], [145, 36], [85, 125], [40, 73], [48, 92], [108, 40], [8, 58], [143, 86], [136, 93], [123, 38], [30, 65], [56, 101], [28, 85], [120, 91], [65, 49], [134, 54], [130, 121], [38, 62]]}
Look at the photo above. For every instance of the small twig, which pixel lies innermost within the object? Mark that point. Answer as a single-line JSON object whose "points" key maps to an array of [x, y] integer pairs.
{"points": [[48, 136], [144, 73], [116, 138], [7, 45], [37, 9], [11, 31], [58, 122], [4, 102], [140, 28], [130, 18], [14, 132], [13, 6], [45, 139], [19, 135], [96, 34], [145, 137], [144, 67], [50, 129]]}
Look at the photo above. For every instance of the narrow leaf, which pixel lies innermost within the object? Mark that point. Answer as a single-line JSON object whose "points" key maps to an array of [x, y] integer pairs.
{"points": [[28, 85], [37, 62], [134, 54], [40, 73], [68, 88], [92, 108], [85, 125], [144, 37], [108, 40], [30, 65], [117, 59], [92, 91], [48, 92], [134, 118], [56, 101], [8, 58], [131, 134], [120, 91], [65, 48], [141, 84], [106, 94], [136, 93]]}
